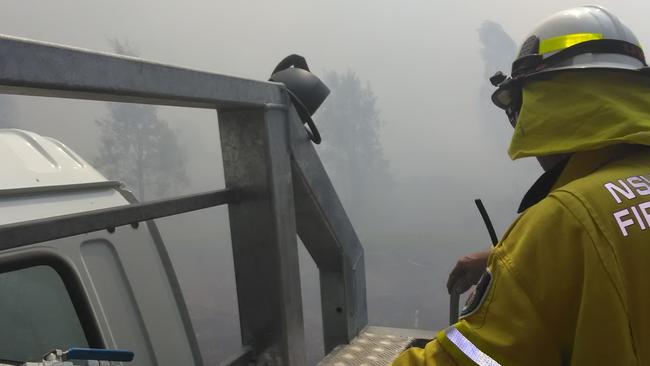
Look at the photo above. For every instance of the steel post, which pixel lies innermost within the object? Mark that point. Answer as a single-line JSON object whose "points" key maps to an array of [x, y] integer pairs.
{"points": [[263, 229], [328, 235]]}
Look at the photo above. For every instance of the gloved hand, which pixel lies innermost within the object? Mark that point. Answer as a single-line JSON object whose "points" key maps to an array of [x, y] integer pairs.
{"points": [[467, 272]]}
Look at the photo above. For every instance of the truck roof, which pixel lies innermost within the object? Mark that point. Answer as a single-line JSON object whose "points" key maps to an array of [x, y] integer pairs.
{"points": [[31, 160]]}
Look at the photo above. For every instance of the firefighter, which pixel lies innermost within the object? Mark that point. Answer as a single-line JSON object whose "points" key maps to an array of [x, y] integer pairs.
{"points": [[569, 282]]}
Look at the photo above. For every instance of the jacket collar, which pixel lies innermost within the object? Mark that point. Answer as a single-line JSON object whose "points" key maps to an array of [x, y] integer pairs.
{"points": [[577, 166], [542, 186]]}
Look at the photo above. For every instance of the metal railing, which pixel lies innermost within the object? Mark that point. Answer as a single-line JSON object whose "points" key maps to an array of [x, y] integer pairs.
{"points": [[275, 182]]}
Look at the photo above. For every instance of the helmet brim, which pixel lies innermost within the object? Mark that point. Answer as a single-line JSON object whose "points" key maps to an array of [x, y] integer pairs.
{"points": [[598, 65]]}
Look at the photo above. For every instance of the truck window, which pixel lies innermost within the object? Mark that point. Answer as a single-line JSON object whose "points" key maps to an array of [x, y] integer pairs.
{"points": [[36, 314]]}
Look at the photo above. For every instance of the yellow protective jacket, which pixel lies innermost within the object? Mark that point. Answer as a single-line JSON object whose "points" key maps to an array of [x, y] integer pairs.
{"points": [[569, 283]]}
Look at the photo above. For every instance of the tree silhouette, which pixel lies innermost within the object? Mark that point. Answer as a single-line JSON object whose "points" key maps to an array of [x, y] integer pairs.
{"points": [[351, 149], [498, 48], [498, 51], [139, 148]]}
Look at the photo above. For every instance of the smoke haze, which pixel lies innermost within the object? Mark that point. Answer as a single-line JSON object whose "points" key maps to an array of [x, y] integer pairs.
{"points": [[426, 63]]}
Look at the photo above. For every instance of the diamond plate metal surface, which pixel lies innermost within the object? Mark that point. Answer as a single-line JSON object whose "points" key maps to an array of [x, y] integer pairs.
{"points": [[368, 349]]}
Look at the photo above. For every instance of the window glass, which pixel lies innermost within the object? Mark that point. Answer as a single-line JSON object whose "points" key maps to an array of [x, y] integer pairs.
{"points": [[36, 315]]}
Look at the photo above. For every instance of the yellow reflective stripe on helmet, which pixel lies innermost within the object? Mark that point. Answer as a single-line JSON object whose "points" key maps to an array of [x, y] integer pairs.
{"points": [[566, 41], [468, 348]]}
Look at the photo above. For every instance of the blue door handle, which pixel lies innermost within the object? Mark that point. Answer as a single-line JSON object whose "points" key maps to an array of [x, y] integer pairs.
{"points": [[96, 354]]}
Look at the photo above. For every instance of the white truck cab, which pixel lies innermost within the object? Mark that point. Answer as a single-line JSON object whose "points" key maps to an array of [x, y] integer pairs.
{"points": [[109, 289]]}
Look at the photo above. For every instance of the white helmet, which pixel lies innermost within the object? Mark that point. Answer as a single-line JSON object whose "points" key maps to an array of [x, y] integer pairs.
{"points": [[585, 37]]}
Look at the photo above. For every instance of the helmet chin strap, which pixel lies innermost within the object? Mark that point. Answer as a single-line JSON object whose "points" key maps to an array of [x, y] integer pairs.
{"points": [[312, 131], [513, 115]]}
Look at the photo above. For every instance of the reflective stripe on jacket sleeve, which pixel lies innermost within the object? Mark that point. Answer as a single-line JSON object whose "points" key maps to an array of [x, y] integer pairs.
{"points": [[468, 349]]}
